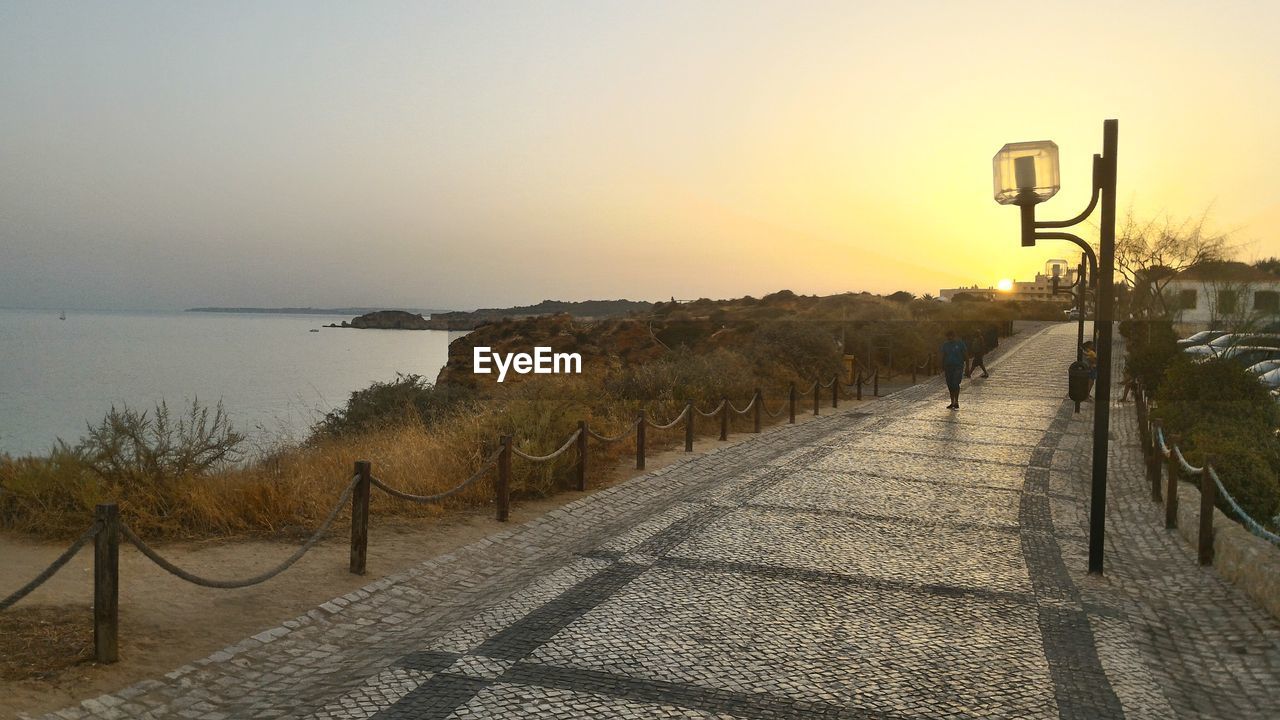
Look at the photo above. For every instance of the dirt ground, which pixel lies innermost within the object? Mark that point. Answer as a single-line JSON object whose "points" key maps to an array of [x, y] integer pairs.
{"points": [[46, 641]]}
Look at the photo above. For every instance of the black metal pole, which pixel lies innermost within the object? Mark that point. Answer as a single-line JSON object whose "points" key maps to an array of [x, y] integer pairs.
{"points": [[1102, 325], [1082, 287]]}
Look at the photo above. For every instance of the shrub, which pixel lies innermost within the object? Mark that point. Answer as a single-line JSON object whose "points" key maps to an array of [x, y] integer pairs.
{"points": [[391, 403], [1220, 409], [1152, 349], [148, 448]]}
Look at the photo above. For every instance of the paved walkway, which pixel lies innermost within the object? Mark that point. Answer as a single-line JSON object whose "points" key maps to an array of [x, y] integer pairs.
{"points": [[901, 561]]}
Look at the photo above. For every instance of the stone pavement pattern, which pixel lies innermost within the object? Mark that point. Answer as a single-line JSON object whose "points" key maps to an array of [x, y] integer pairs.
{"points": [[900, 561]]}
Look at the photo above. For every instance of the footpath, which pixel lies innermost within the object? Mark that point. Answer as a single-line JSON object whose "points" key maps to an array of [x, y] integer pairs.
{"points": [[899, 561]]}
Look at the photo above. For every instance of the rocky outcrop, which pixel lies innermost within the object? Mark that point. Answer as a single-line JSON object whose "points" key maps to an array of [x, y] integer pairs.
{"points": [[388, 320], [586, 310]]}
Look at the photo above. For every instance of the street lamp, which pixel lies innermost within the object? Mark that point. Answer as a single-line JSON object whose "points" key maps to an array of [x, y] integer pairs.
{"points": [[1081, 286], [1026, 174]]}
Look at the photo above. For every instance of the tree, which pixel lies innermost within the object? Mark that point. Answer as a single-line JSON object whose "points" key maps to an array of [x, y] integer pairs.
{"points": [[901, 296], [1151, 253], [1269, 265]]}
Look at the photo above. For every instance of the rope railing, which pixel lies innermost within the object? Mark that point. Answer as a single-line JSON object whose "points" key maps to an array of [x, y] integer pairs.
{"points": [[262, 577], [1187, 467], [622, 436], [488, 464], [1253, 525], [714, 411], [683, 413], [53, 567], [1211, 486], [744, 410], [550, 456]]}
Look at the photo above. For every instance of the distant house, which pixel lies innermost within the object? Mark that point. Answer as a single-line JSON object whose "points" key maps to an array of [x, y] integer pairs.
{"points": [[1223, 295], [1041, 288], [951, 293]]}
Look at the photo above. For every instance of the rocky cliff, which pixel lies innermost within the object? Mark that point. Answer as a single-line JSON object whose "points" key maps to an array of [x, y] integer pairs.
{"points": [[388, 320]]}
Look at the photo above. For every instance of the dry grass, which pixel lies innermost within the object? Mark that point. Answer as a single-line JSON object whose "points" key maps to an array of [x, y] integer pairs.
{"points": [[41, 642], [289, 492]]}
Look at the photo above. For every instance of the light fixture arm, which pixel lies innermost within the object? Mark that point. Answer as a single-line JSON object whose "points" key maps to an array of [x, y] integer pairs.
{"points": [[1093, 201], [1086, 247]]}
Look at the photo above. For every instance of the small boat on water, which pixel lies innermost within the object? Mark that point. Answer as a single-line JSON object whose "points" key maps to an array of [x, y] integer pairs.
{"points": [[314, 330], [62, 315]]}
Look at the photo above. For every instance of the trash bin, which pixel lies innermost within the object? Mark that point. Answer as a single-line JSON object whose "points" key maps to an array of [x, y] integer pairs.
{"points": [[1078, 381]]}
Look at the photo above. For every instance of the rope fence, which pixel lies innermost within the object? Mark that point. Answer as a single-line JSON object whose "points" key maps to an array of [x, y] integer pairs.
{"points": [[108, 529], [1166, 466]]}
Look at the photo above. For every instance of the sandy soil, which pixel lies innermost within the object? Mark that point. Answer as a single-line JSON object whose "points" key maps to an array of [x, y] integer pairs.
{"points": [[165, 622]]}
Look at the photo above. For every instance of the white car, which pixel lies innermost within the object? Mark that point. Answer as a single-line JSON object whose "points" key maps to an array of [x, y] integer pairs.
{"points": [[1230, 340], [1265, 366], [1270, 380]]}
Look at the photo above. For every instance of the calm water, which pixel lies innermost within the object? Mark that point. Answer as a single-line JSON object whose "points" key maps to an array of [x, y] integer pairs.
{"points": [[274, 377]]}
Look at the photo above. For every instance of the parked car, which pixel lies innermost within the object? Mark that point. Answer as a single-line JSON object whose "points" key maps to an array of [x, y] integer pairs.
{"points": [[1270, 380], [1265, 366], [1244, 355], [1223, 342], [1201, 338]]}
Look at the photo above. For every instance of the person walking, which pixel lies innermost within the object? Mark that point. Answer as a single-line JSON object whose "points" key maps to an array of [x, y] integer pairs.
{"points": [[954, 355], [977, 350], [1091, 358]]}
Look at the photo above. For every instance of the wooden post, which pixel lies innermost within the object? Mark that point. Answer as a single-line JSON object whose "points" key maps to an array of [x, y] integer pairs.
{"points": [[106, 584], [502, 488], [582, 456], [688, 427], [835, 391], [759, 400], [791, 401], [1208, 499], [913, 373], [1153, 461], [640, 426], [360, 518], [1171, 486], [858, 382], [724, 418], [1145, 439], [817, 392], [875, 383]]}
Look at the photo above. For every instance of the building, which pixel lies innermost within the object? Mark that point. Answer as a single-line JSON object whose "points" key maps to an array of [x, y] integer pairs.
{"points": [[984, 293], [1224, 295], [1041, 288]]}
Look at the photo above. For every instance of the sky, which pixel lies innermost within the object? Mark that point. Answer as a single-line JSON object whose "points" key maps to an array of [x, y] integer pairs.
{"points": [[476, 154]]}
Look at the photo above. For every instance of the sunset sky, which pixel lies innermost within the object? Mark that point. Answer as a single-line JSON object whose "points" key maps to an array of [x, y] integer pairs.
{"points": [[464, 154]]}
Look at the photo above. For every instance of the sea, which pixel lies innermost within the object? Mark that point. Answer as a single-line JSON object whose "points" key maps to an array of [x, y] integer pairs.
{"points": [[274, 377]]}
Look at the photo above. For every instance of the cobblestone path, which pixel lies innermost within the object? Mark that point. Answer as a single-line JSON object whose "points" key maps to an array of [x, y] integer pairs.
{"points": [[899, 561]]}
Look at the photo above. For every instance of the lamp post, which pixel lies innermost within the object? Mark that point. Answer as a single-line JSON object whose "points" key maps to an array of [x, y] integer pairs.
{"points": [[1081, 286], [1026, 174]]}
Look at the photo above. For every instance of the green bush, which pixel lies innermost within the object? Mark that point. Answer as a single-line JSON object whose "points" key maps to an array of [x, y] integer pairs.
{"points": [[383, 403], [1221, 410], [1152, 349]]}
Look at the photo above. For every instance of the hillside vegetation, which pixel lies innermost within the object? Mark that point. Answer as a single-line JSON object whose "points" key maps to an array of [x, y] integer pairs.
{"points": [[425, 436]]}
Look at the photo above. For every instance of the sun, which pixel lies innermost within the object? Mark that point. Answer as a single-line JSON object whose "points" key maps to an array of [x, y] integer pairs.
{"points": [[1004, 285]]}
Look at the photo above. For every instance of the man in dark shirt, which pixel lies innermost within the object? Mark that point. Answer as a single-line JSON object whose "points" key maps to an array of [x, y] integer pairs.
{"points": [[977, 350], [954, 355]]}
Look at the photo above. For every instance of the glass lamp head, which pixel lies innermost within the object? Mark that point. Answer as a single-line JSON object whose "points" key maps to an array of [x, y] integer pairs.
{"points": [[1026, 172]]}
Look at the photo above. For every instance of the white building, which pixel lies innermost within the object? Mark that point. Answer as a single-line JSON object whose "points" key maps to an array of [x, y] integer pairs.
{"points": [[1039, 289], [1224, 295]]}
